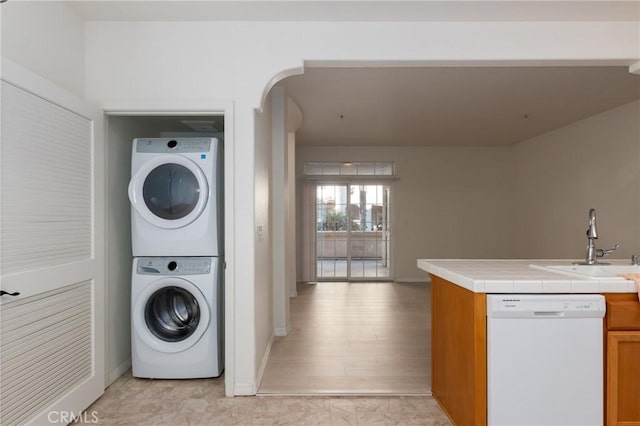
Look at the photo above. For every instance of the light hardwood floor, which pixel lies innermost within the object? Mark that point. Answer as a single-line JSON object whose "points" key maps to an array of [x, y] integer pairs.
{"points": [[354, 339]]}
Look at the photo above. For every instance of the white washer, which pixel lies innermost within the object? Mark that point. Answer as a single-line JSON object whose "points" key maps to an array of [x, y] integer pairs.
{"points": [[176, 197], [176, 317]]}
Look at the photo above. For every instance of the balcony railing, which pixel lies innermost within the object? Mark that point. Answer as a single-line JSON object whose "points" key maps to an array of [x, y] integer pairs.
{"points": [[364, 245]]}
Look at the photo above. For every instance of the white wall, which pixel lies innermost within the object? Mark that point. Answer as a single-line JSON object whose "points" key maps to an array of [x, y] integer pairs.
{"points": [[286, 118], [561, 174], [152, 60], [48, 39], [291, 243], [120, 134], [280, 210], [144, 63], [447, 202], [526, 201], [263, 255]]}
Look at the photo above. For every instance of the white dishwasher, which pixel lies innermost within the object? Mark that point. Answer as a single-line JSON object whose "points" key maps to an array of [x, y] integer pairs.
{"points": [[545, 360]]}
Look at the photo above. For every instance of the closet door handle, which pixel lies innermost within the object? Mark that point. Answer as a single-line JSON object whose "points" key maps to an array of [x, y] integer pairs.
{"points": [[15, 293]]}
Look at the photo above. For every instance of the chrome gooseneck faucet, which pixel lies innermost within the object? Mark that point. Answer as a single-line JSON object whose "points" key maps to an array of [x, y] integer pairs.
{"points": [[592, 234]]}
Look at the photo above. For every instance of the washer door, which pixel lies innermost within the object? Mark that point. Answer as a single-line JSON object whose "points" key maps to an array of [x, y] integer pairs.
{"points": [[170, 315], [169, 191]]}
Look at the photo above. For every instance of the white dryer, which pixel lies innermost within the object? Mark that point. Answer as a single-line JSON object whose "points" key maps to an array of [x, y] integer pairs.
{"points": [[176, 197], [177, 317]]}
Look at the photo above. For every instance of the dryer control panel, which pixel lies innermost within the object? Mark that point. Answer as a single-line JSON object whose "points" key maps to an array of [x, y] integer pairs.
{"points": [[173, 145], [173, 265]]}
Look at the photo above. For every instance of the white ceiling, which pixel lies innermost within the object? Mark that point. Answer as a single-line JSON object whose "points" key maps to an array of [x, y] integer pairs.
{"points": [[464, 106]]}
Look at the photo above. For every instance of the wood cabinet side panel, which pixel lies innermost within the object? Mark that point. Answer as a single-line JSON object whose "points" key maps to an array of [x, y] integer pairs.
{"points": [[459, 352], [480, 357]]}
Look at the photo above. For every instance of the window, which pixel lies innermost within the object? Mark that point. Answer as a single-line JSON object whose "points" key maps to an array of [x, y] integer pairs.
{"points": [[347, 168]]}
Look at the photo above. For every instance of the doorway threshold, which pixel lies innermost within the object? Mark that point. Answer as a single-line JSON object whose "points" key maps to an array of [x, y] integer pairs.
{"points": [[343, 394]]}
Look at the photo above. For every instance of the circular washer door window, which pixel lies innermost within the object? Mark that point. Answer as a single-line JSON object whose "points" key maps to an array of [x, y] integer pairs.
{"points": [[170, 314], [169, 191]]}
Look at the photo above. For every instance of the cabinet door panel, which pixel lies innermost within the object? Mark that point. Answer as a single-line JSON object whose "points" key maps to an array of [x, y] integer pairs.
{"points": [[623, 378]]}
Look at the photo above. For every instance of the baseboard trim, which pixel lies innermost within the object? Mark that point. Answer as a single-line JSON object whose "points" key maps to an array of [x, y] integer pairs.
{"points": [[118, 371], [244, 389], [282, 331], [415, 280], [263, 364], [343, 394]]}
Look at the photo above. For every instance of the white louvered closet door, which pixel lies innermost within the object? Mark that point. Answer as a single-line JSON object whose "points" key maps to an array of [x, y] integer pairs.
{"points": [[51, 238]]}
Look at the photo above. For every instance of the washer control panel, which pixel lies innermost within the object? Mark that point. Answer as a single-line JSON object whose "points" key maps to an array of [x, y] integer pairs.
{"points": [[173, 265], [173, 145]]}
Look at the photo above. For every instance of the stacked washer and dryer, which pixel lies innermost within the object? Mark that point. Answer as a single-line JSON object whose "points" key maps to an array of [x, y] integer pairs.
{"points": [[176, 194]]}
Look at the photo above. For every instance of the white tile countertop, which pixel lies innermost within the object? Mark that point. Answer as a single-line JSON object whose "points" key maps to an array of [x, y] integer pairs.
{"points": [[517, 276]]}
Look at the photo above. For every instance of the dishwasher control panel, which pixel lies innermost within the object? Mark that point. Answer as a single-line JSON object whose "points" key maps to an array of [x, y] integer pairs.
{"points": [[532, 305]]}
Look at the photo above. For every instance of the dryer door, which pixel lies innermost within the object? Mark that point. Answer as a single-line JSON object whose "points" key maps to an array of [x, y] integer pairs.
{"points": [[170, 315], [169, 191]]}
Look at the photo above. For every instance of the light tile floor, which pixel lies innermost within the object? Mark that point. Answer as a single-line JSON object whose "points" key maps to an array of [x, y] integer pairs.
{"points": [[381, 323], [131, 401]]}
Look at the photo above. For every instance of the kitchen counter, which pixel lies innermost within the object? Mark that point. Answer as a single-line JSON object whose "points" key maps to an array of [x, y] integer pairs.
{"points": [[517, 276], [459, 325]]}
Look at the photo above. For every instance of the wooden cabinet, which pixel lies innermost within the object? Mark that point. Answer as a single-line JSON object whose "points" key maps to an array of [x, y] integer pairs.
{"points": [[623, 361], [459, 352], [459, 363], [623, 378]]}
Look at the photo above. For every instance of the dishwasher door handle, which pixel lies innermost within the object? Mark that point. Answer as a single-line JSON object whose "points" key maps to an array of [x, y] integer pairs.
{"points": [[548, 313]]}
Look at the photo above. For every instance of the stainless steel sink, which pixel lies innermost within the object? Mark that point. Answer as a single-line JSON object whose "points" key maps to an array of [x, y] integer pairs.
{"points": [[598, 271]]}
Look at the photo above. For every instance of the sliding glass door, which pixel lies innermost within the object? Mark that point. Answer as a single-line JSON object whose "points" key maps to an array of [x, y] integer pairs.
{"points": [[353, 231]]}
